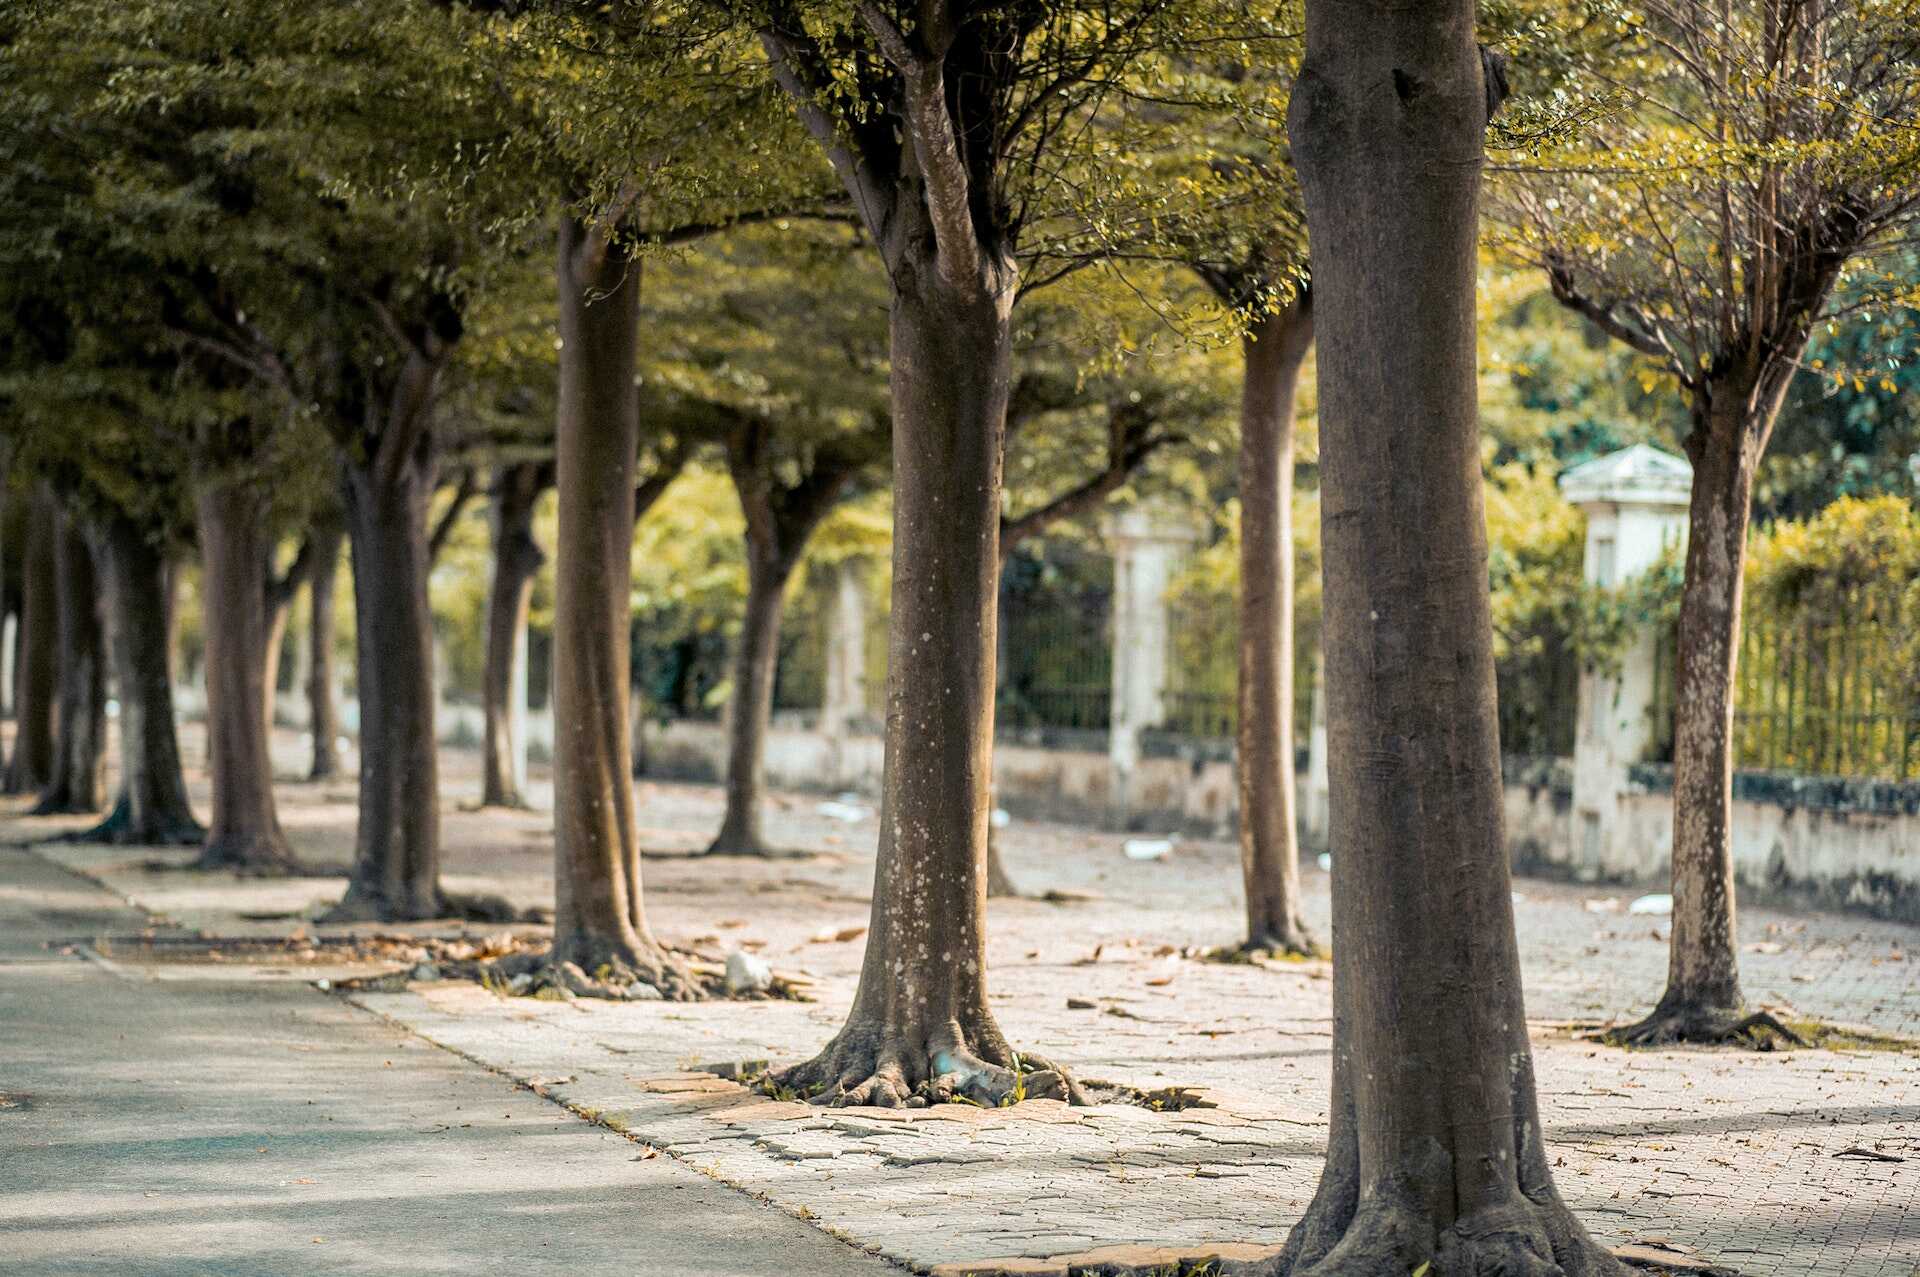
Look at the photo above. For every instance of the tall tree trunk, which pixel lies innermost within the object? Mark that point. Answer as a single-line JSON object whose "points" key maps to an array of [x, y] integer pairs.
{"points": [[755, 662], [323, 715], [1435, 1151], [396, 865], [79, 743], [920, 1017], [246, 833], [36, 652], [599, 918], [1702, 1002], [517, 559], [1269, 838], [152, 809]]}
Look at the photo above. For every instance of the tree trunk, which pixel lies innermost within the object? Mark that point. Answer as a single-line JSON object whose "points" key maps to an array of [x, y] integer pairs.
{"points": [[599, 918], [36, 648], [920, 1015], [396, 864], [79, 743], [152, 809], [1702, 1002], [323, 716], [517, 559], [246, 832], [1269, 838], [1435, 1153], [755, 663]]}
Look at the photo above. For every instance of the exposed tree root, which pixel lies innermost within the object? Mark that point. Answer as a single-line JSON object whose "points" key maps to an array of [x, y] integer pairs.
{"points": [[254, 856], [1000, 884], [1674, 1023], [1387, 1233], [585, 970], [746, 845], [118, 830], [360, 905], [868, 1065]]}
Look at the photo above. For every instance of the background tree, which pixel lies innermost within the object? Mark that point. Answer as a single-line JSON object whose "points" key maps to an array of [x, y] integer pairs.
{"points": [[947, 184], [1768, 156]]}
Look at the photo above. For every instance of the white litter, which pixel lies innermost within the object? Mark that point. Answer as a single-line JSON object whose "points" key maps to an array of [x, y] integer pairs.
{"points": [[424, 971], [849, 813], [1149, 848], [1610, 905], [1658, 903], [1000, 818], [1325, 861], [641, 991], [747, 973]]}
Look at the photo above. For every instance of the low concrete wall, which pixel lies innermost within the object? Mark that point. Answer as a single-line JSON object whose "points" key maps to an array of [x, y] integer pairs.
{"points": [[1823, 841], [1031, 781]]}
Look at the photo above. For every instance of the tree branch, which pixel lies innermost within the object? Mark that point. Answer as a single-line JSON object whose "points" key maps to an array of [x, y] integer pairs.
{"points": [[468, 488], [1600, 314], [799, 69], [935, 145]]}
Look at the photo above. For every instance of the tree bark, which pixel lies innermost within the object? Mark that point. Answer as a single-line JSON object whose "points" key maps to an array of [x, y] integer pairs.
{"points": [[246, 833], [323, 715], [920, 1015], [152, 808], [755, 662], [79, 743], [1703, 1002], [517, 559], [36, 647], [1269, 838], [599, 918], [396, 866], [1435, 1153]]}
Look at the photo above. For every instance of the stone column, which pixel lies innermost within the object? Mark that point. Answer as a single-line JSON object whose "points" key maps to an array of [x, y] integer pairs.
{"points": [[844, 697], [1149, 540], [843, 702], [517, 713], [1635, 501]]}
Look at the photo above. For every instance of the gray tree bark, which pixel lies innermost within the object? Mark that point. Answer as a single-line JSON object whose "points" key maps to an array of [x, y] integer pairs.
{"points": [[1269, 838], [396, 869], [152, 808], [1435, 1154], [918, 1018], [323, 714], [80, 735], [36, 652], [517, 559], [245, 834], [599, 918]]}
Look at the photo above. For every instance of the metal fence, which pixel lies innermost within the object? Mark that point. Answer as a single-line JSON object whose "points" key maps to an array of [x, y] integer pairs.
{"points": [[1056, 648], [1827, 689]]}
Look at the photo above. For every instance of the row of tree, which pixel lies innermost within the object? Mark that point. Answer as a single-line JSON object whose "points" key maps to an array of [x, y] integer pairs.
{"points": [[253, 253]]}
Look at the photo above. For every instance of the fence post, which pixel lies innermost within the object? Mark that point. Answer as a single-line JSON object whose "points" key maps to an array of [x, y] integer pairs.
{"points": [[843, 700], [1635, 501], [1148, 542]]}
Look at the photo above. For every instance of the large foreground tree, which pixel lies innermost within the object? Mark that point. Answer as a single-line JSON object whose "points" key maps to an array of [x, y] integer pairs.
{"points": [[1435, 1161], [1767, 157]]}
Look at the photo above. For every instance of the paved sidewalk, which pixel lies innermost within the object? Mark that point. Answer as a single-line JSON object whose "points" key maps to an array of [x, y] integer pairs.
{"points": [[242, 1124], [1734, 1153]]}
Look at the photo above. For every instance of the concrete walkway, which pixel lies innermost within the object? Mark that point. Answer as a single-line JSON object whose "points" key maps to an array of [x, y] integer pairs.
{"points": [[214, 1122]]}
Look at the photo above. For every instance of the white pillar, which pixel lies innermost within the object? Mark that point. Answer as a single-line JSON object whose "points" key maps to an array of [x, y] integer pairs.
{"points": [[517, 713], [844, 696], [1635, 501], [1149, 541]]}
